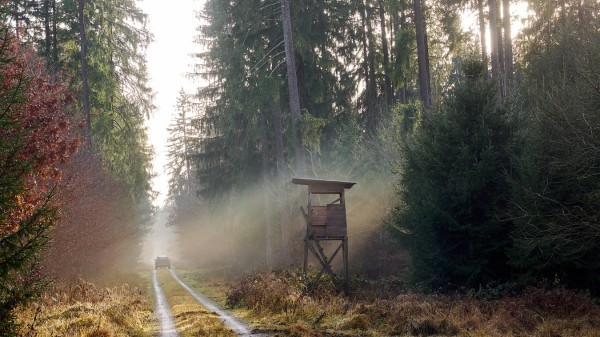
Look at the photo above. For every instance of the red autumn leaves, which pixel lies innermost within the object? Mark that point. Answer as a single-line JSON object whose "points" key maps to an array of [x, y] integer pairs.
{"points": [[39, 134]]}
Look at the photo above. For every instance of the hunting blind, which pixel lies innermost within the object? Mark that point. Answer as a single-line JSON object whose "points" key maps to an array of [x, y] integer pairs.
{"points": [[325, 218]]}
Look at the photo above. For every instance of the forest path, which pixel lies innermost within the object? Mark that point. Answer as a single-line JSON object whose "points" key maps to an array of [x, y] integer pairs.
{"points": [[163, 312], [239, 327]]}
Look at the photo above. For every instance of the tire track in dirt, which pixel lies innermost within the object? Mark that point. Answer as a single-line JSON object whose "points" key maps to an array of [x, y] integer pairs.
{"points": [[239, 327], [163, 312]]}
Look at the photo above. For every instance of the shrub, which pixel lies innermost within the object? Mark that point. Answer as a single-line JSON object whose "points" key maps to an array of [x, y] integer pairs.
{"points": [[36, 139]]}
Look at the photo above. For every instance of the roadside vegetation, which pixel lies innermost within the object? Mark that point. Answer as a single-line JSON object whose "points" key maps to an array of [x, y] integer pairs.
{"points": [[293, 304], [74, 164], [85, 309]]}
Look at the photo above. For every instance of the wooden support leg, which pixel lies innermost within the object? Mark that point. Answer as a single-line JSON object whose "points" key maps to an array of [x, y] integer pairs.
{"points": [[345, 254], [318, 252], [305, 267]]}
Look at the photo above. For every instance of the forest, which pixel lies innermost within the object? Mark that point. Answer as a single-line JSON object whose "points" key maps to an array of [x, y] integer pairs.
{"points": [[475, 152]]}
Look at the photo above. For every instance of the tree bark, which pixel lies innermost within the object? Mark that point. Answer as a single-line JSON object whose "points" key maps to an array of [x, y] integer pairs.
{"points": [[47, 35], [85, 90], [508, 53], [54, 33], [422, 55], [389, 90], [17, 16], [371, 109], [482, 33], [281, 174], [500, 42], [188, 175], [493, 13], [264, 172], [293, 87]]}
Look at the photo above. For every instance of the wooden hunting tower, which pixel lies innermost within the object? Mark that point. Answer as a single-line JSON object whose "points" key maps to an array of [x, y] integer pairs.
{"points": [[325, 222]]}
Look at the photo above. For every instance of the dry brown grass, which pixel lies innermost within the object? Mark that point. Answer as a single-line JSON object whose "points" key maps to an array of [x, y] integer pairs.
{"points": [[279, 301], [82, 309]]}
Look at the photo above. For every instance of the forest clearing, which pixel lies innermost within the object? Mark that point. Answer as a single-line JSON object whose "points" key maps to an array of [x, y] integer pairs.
{"points": [[299, 168]]}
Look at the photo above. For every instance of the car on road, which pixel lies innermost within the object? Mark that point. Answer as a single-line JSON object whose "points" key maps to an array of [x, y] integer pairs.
{"points": [[162, 261]]}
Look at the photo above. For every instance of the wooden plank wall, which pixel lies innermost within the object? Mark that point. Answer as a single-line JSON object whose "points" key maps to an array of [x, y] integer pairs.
{"points": [[329, 220]]}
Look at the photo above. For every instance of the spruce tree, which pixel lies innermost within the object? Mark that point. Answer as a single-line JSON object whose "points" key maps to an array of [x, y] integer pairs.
{"points": [[453, 183]]}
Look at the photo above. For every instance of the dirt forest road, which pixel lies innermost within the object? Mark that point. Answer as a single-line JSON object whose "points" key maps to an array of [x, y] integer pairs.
{"points": [[163, 312], [167, 324]]}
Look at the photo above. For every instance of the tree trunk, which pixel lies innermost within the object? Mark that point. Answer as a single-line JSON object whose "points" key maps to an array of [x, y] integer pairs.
{"points": [[281, 174], [422, 58], [188, 175], [428, 66], [264, 172], [401, 95], [400, 23], [47, 35], [54, 33], [85, 90], [365, 44], [482, 33], [17, 16], [370, 103], [500, 43], [508, 53], [493, 12], [389, 90], [293, 87]]}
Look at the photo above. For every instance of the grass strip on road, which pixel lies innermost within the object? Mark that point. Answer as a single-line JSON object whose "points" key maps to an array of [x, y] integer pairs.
{"points": [[191, 318], [163, 312]]}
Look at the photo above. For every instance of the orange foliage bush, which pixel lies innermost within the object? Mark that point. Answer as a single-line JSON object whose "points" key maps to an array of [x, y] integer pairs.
{"points": [[43, 136], [36, 140]]}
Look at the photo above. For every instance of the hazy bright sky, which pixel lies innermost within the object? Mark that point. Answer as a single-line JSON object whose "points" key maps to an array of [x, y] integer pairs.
{"points": [[173, 24]]}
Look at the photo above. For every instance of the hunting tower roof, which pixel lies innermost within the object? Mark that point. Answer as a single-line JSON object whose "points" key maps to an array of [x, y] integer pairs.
{"points": [[323, 182]]}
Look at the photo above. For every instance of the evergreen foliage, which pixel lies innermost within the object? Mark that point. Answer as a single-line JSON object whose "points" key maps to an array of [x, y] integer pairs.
{"points": [[453, 183], [120, 98], [557, 197]]}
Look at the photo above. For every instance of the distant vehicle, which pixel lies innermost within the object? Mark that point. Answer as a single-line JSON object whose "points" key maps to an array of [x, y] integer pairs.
{"points": [[162, 261]]}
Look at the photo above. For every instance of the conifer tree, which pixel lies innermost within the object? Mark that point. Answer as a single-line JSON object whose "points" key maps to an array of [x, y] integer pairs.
{"points": [[453, 181]]}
